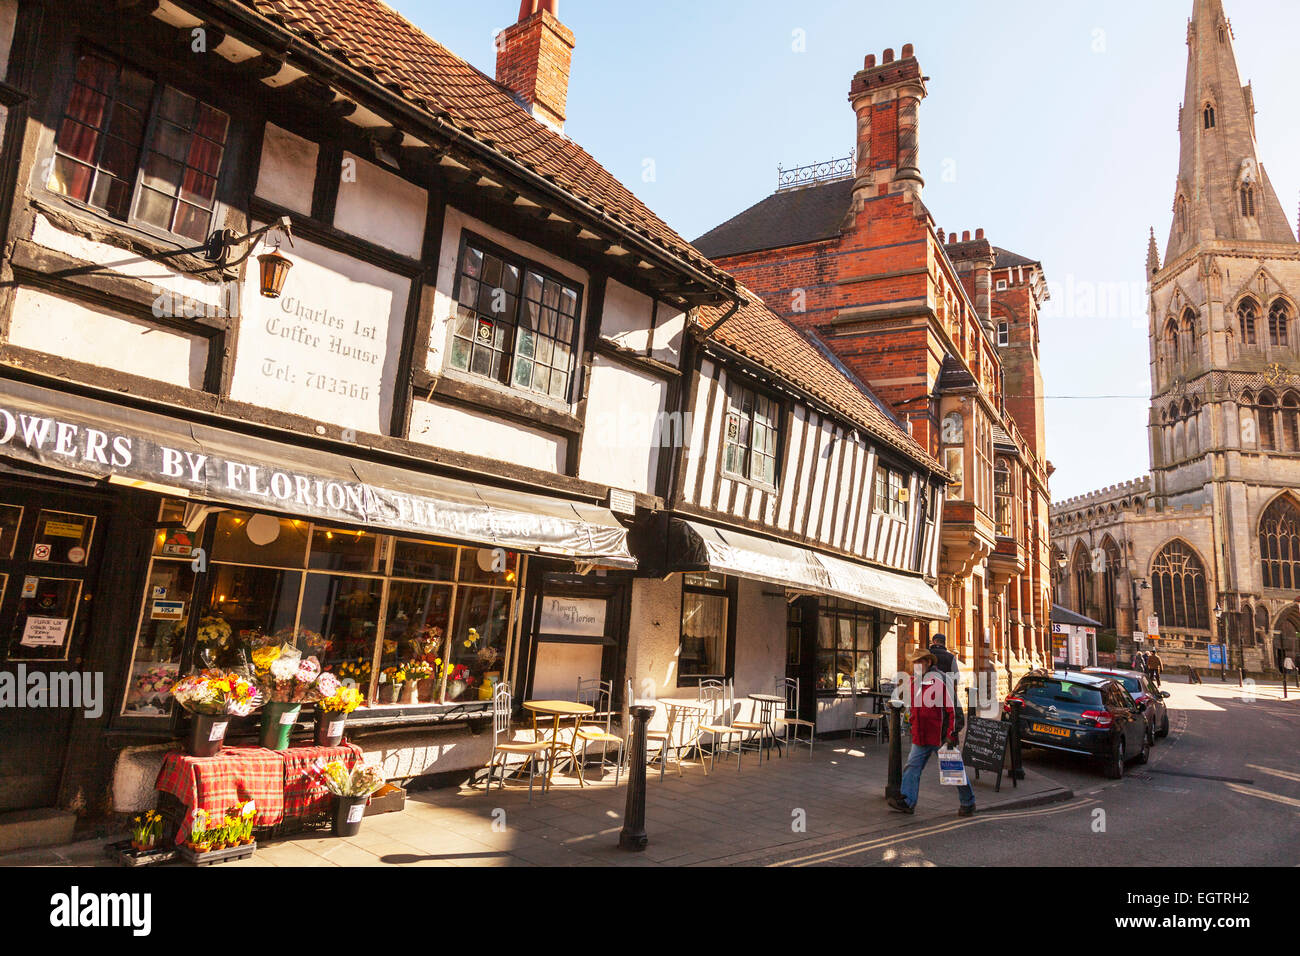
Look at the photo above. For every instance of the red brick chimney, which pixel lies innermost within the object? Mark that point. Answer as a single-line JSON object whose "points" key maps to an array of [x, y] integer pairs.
{"points": [[533, 58], [885, 95]]}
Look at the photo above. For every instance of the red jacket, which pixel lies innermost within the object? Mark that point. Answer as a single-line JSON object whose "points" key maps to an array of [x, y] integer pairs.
{"points": [[933, 717]]}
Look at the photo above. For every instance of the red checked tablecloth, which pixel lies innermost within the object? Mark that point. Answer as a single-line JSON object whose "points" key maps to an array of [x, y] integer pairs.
{"points": [[279, 782]]}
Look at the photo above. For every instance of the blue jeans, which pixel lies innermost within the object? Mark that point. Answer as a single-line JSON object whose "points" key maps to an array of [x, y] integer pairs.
{"points": [[911, 787]]}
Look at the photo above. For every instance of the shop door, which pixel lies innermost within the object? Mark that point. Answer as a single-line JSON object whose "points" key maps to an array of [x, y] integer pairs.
{"points": [[801, 653], [50, 544]]}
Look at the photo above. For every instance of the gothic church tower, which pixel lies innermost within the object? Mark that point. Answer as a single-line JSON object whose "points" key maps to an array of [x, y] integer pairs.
{"points": [[1225, 412]]}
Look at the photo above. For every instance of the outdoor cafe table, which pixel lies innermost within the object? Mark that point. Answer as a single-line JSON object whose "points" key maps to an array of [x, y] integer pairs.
{"points": [[557, 709], [767, 704], [277, 781]]}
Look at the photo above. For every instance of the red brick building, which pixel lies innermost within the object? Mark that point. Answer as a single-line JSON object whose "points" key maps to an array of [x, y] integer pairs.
{"points": [[944, 331]]}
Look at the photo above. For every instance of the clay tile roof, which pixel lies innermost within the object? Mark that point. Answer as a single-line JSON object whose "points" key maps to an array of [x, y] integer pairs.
{"points": [[375, 40], [765, 338], [789, 218]]}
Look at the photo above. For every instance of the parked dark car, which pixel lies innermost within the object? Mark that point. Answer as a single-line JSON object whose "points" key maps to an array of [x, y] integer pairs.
{"points": [[1085, 714], [1149, 698]]}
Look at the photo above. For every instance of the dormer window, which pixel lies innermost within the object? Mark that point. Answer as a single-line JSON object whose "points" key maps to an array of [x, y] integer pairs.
{"points": [[1248, 201], [1209, 116]]}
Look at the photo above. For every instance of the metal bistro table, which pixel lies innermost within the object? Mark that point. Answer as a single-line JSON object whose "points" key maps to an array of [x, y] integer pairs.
{"points": [[556, 710], [767, 705]]}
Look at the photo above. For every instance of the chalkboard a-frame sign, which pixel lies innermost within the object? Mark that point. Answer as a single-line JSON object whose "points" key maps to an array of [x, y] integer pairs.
{"points": [[985, 747]]}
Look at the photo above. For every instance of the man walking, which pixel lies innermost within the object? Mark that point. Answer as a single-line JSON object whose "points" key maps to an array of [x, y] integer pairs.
{"points": [[1154, 667], [933, 720]]}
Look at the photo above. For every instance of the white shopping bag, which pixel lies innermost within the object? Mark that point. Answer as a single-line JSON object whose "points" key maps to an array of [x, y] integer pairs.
{"points": [[952, 771]]}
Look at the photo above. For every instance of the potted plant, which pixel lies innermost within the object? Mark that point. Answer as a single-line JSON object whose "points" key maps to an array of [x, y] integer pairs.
{"points": [[353, 789], [146, 831], [219, 835], [332, 710], [212, 698], [287, 680], [391, 680]]}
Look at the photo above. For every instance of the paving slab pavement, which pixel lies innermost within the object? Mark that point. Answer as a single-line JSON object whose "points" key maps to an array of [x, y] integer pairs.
{"points": [[785, 807]]}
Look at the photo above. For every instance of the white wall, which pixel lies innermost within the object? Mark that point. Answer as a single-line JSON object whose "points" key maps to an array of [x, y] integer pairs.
{"points": [[69, 329], [287, 175], [474, 433], [626, 318], [623, 414], [384, 208]]}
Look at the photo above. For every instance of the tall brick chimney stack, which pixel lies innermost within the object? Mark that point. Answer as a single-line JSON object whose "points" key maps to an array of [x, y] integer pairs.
{"points": [[886, 97], [533, 59]]}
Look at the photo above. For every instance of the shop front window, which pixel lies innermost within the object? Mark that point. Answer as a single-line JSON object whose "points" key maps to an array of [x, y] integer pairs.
{"points": [[703, 651], [846, 647], [359, 602]]}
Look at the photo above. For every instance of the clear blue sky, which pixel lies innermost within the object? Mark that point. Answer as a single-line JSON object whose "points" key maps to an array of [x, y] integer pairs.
{"points": [[1054, 122]]}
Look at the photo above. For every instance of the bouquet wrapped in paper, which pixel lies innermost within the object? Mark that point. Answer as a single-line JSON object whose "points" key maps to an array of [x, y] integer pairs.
{"points": [[360, 781], [285, 676], [217, 692]]}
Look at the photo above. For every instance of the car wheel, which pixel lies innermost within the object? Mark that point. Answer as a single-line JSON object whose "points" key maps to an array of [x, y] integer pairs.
{"points": [[1164, 726], [1115, 763], [1147, 739]]}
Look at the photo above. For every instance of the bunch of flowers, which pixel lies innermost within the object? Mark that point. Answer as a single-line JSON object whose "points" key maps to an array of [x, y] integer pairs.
{"points": [[216, 831], [418, 670], [287, 677], [393, 675], [357, 671], [213, 630], [458, 672], [361, 781], [156, 681], [217, 692], [343, 701], [310, 640], [146, 829], [472, 638]]}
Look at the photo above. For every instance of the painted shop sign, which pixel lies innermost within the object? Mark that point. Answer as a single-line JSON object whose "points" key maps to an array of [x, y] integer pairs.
{"points": [[575, 617], [261, 475], [326, 348]]}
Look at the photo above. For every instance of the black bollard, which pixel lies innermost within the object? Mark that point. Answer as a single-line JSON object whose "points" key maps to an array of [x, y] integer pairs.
{"points": [[633, 837], [1017, 769], [894, 785]]}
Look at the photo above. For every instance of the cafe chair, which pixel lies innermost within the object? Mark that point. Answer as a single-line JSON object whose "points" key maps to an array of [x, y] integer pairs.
{"points": [[503, 747], [790, 721], [598, 694], [718, 726], [874, 721]]}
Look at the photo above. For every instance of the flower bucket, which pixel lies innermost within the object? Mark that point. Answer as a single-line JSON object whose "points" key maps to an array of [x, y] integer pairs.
{"points": [[277, 724], [428, 687], [410, 692], [329, 727], [207, 733], [389, 692], [348, 812], [455, 688]]}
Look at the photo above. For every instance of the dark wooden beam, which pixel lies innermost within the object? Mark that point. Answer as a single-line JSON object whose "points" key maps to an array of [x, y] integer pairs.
{"points": [[259, 67]]}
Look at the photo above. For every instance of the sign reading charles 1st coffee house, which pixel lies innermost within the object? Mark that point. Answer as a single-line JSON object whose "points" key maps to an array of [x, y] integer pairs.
{"points": [[327, 349]]}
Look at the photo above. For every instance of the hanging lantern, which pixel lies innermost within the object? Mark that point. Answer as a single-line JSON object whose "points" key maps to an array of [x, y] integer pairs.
{"points": [[275, 269]]}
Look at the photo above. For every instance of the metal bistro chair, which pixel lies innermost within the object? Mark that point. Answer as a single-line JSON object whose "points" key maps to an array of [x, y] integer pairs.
{"points": [[875, 720], [788, 687], [599, 694], [532, 749], [710, 693]]}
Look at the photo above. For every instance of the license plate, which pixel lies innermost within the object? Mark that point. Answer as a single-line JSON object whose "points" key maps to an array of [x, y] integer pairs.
{"points": [[1051, 731]]}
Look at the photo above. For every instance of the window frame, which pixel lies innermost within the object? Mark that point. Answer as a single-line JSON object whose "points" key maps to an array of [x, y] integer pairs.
{"points": [[777, 419], [728, 591], [64, 75], [505, 378], [1004, 334], [885, 506]]}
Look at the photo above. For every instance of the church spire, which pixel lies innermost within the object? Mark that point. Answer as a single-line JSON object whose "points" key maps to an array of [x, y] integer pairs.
{"points": [[1222, 191], [1153, 255]]}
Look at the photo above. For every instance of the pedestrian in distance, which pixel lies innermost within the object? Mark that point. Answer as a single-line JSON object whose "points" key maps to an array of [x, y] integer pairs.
{"points": [[933, 720], [1155, 667], [1289, 672], [1139, 662]]}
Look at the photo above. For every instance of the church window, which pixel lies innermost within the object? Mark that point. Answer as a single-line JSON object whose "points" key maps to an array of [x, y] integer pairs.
{"points": [[1267, 421], [1248, 201], [1189, 330], [1279, 544], [1182, 214], [1277, 323], [1290, 422], [1209, 116], [1247, 312], [1193, 430], [1178, 585], [1171, 341]]}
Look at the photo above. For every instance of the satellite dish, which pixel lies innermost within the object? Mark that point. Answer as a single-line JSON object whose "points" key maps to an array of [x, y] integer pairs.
{"points": [[262, 529]]}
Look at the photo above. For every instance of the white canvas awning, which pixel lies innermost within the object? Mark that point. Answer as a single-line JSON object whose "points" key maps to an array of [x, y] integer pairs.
{"points": [[699, 546]]}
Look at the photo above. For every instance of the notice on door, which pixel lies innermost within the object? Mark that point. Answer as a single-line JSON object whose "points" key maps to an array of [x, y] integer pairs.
{"points": [[45, 632]]}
